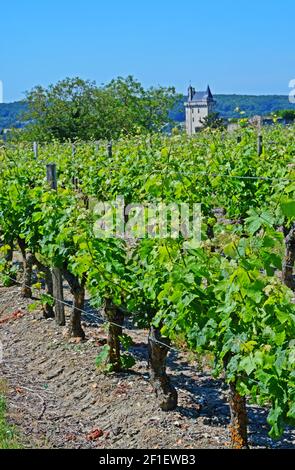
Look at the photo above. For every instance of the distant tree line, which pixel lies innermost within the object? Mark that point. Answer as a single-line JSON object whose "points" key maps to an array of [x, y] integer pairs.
{"points": [[10, 114], [251, 105], [287, 114], [75, 108]]}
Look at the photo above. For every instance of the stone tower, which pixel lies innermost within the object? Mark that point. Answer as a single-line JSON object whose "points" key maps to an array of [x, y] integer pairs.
{"points": [[199, 105]]}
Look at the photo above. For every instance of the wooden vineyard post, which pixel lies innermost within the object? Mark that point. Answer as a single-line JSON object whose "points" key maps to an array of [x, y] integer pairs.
{"points": [[289, 259], [51, 175], [110, 149], [57, 278], [35, 150], [259, 145]]}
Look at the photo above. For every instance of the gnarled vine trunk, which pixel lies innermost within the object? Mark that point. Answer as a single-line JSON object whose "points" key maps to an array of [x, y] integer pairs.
{"points": [[239, 418], [57, 288], [238, 413], [28, 262], [289, 260], [8, 264], [165, 392], [78, 292], [76, 330], [9, 254], [116, 318], [47, 307], [27, 279]]}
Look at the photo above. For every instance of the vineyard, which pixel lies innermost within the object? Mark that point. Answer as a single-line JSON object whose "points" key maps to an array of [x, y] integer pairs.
{"points": [[225, 300]]}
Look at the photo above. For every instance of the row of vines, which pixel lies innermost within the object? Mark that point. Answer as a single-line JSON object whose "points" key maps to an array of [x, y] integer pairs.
{"points": [[230, 296]]}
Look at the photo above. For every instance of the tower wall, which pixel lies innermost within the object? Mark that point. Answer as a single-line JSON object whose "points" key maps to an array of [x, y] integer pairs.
{"points": [[195, 113]]}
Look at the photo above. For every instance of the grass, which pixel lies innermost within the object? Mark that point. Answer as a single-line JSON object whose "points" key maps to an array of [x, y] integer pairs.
{"points": [[8, 437]]}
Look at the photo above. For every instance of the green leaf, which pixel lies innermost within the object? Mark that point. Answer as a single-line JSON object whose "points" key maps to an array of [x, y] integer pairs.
{"points": [[103, 356], [288, 208], [230, 250], [274, 420], [126, 341], [33, 307], [254, 225], [127, 361], [37, 216], [291, 412], [247, 364]]}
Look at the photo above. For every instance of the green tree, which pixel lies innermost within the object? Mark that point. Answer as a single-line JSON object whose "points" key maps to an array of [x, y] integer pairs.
{"points": [[139, 108], [213, 121], [157, 106], [62, 111], [78, 109], [287, 114]]}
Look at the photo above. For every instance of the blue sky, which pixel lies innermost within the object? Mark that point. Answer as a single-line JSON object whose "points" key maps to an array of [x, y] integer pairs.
{"points": [[236, 46]]}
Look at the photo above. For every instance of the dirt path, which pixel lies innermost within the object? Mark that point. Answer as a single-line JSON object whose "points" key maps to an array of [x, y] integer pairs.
{"points": [[58, 399]]}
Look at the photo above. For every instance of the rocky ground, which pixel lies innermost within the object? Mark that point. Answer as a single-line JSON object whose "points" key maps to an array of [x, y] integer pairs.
{"points": [[58, 399]]}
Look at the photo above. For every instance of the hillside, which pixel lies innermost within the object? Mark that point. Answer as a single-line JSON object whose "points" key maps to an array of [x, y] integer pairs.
{"points": [[250, 104], [10, 113]]}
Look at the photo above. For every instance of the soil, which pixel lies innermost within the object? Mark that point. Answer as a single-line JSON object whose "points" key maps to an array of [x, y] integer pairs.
{"points": [[58, 398]]}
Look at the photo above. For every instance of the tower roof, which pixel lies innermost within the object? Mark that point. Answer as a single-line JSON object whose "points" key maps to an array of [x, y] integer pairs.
{"points": [[210, 96], [202, 95]]}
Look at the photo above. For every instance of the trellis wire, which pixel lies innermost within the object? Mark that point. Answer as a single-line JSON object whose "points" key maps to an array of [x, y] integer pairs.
{"points": [[101, 321]]}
